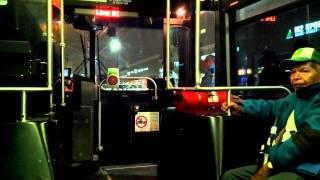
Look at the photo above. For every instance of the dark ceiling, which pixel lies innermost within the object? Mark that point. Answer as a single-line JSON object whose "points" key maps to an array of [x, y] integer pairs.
{"points": [[145, 8]]}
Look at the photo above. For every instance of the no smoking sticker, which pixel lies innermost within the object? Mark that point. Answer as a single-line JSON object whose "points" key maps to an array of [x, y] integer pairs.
{"points": [[141, 121], [146, 122]]}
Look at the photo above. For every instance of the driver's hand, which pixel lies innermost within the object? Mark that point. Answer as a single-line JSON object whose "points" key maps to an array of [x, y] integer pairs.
{"points": [[235, 108]]}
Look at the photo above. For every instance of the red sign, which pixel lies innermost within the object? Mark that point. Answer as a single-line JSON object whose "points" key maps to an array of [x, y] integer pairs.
{"points": [[269, 19], [107, 13], [141, 121]]}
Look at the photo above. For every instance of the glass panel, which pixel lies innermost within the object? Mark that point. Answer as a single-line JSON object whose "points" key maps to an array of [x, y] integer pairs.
{"points": [[24, 20], [178, 50], [135, 51], [182, 50], [76, 53], [261, 45], [56, 31], [181, 54], [23, 43], [207, 48]]}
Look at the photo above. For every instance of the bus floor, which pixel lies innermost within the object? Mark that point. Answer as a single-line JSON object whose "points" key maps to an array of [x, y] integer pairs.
{"points": [[137, 171]]}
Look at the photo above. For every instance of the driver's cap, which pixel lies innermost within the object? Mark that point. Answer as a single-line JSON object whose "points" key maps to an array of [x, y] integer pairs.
{"points": [[301, 55]]}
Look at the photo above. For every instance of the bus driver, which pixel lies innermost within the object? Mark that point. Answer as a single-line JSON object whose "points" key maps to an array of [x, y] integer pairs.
{"points": [[296, 153]]}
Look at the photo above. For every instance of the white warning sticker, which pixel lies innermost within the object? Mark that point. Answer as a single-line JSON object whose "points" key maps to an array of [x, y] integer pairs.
{"points": [[146, 122], [213, 97]]}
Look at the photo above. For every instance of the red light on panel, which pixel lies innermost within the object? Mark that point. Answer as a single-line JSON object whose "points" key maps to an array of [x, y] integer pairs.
{"points": [[107, 12], [269, 19]]}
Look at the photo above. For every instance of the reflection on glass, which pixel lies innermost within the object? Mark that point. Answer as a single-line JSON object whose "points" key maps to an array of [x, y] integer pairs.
{"points": [[262, 44], [207, 49], [23, 43]]}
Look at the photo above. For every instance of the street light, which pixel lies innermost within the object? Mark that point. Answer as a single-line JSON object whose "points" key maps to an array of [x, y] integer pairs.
{"points": [[115, 44], [115, 47]]}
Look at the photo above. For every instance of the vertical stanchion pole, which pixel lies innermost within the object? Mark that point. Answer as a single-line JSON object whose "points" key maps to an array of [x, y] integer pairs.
{"points": [[227, 49], [168, 44], [197, 44], [216, 123], [228, 101], [62, 46], [24, 106], [100, 147], [49, 44]]}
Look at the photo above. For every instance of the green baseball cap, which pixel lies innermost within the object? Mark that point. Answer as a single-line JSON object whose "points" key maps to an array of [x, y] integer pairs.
{"points": [[301, 55]]}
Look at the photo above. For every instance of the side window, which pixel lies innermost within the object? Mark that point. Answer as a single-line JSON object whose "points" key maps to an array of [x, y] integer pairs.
{"points": [[262, 44]]}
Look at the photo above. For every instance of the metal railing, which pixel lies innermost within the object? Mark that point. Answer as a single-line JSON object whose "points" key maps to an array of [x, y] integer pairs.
{"points": [[155, 97]]}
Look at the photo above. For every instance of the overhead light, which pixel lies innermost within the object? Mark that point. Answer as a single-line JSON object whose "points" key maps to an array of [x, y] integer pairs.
{"points": [[181, 12]]}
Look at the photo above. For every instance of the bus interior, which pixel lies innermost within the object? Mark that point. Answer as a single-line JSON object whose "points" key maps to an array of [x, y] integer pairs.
{"points": [[110, 89]]}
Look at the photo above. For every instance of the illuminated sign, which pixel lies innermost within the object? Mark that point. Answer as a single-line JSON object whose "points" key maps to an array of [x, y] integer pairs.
{"points": [[269, 19], [107, 12], [111, 12], [138, 84], [304, 29], [137, 71], [113, 77], [289, 34], [120, 2], [3, 2]]}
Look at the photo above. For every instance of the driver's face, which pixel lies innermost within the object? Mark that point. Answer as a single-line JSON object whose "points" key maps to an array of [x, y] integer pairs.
{"points": [[305, 75]]}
